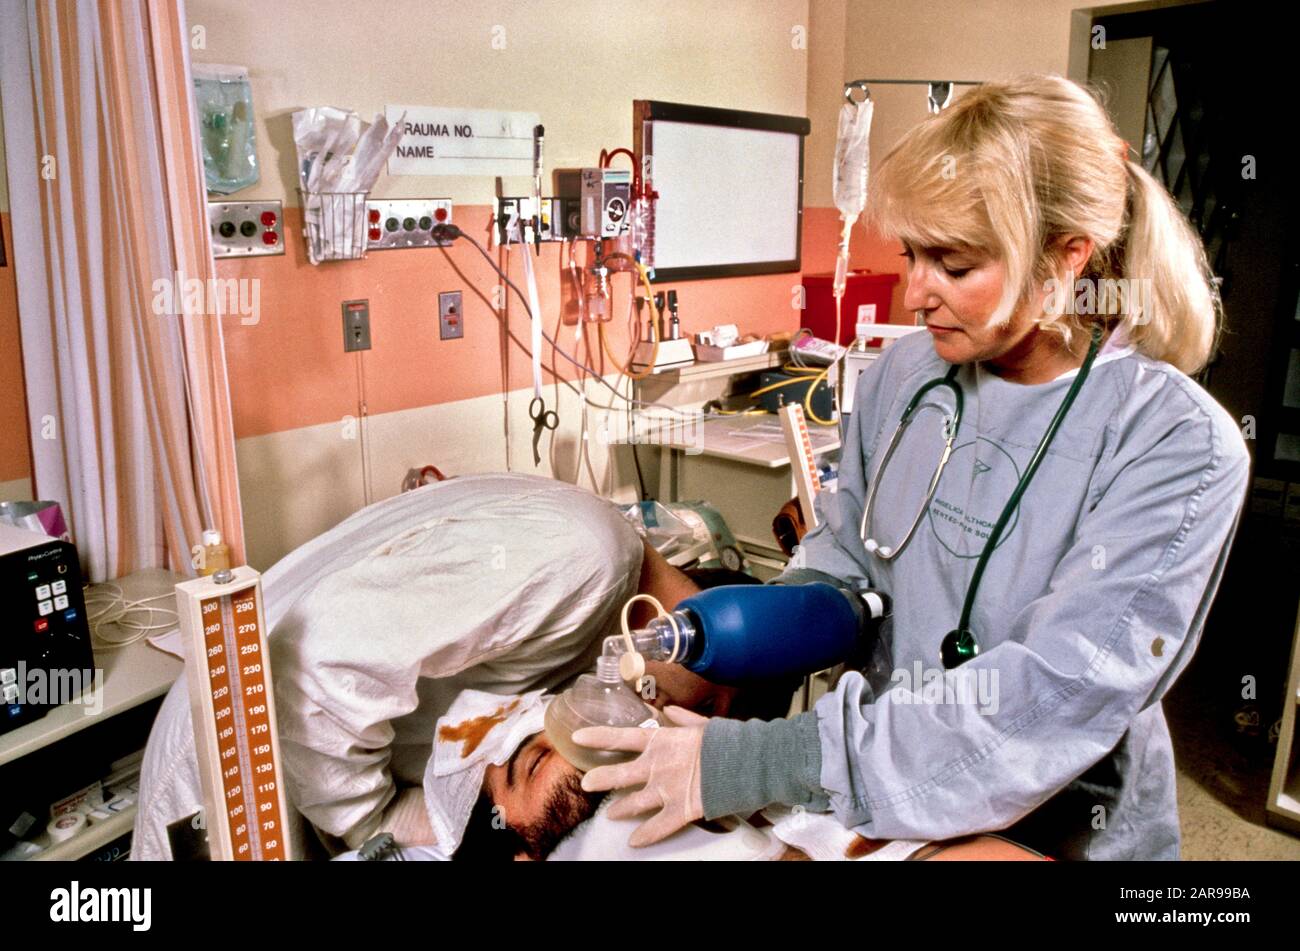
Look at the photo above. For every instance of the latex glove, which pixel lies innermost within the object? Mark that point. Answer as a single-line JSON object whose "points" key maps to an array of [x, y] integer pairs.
{"points": [[668, 769]]}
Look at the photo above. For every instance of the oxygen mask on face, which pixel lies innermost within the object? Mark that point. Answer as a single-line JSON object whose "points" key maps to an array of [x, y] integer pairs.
{"points": [[599, 699], [608, 697]]}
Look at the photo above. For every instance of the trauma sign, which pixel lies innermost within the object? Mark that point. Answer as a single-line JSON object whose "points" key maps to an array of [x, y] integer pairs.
{"points": [[440, 141]]}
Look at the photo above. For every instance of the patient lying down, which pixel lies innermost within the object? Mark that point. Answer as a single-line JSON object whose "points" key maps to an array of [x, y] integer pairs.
{"points": [[526, 802]]}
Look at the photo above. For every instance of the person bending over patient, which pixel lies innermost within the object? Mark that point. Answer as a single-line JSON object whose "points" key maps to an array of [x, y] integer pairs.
{"points": [[497, 583]]}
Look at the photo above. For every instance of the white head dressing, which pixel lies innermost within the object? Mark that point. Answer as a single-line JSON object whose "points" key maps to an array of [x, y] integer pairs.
{"points": [[479, 730]]}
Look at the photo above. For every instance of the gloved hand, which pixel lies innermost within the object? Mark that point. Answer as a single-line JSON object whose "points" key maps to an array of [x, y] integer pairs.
{"points": [[668, 769]]}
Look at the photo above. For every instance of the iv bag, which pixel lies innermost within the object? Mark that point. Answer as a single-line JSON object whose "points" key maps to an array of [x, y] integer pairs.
{"points": [[224, 101], [852, 156]]}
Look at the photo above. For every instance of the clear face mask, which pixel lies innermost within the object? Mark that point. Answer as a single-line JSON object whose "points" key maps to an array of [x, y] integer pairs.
{"points": [[599, 699]]}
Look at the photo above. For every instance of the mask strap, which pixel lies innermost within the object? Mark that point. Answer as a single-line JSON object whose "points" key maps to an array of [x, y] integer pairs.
{"points": [[635, 668]]}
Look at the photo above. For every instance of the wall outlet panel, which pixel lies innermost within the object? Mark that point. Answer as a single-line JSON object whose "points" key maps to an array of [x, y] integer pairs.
{"points": [[243, 229], [356, 325], [405, 223], [451, 317]]}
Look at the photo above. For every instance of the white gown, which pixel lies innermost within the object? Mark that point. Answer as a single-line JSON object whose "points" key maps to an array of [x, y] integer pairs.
{"points": [[501, 583]]}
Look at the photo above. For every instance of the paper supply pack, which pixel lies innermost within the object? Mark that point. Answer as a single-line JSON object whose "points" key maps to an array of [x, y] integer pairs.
{"points": [[339, 160]]}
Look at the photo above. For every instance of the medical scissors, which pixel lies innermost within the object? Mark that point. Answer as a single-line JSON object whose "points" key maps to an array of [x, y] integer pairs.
{"points": [[542, 418]]}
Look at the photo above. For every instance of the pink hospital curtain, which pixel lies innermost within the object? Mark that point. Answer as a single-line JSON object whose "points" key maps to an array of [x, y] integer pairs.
{"points": [[127, 390]]}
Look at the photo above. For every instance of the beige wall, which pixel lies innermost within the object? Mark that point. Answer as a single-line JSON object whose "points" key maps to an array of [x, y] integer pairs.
{"points": [[1122, 72], [16, 490], [827, 33], [943, 39], [578, 63], [950, 39], [301, 482]]}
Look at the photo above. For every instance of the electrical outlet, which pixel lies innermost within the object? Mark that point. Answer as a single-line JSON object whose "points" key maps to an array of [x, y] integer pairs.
{"points": [[246, 228], [451, 320], [405, 222], [356, 325]]}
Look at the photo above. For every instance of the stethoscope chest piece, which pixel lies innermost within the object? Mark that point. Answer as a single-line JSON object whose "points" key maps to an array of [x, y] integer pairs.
{"points": [[958, 647]]}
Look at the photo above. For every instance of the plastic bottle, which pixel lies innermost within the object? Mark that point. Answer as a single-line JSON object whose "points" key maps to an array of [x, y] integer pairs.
{"points": [[216, 554], [641, 227], [600, 699], [862, 334], [597, 294]]}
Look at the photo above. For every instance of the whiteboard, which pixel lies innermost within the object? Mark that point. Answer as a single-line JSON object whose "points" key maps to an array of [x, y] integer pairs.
{"points": [[730, 198]]}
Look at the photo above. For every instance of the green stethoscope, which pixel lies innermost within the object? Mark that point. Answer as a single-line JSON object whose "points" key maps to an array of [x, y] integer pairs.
{"points": [[960, 645]]}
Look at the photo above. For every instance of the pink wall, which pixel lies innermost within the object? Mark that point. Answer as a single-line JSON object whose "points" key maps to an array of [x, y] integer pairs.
{"points": [[289, 370]]}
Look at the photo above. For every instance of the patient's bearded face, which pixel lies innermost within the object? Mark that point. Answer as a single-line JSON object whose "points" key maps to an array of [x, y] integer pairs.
{"points": [[540, 795]]}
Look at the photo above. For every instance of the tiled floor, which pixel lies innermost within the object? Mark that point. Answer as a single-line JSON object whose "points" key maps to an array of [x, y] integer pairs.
{"points": [[1222, 775]]}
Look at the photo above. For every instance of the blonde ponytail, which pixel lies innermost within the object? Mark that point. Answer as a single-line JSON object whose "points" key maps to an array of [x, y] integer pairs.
{"points": [[1011, 167], [1160, 245]]}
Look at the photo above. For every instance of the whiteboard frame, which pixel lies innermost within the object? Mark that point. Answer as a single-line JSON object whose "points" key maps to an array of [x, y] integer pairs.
{"points": [[646, 111]]}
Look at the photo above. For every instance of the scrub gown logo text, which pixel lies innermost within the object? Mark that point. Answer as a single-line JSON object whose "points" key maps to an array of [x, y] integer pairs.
{"points": [[963, 533]]}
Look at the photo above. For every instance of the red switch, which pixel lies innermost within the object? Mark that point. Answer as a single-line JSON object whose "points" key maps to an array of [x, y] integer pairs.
{"points": [[268, 219], [269, 237], [374, 216], [440, 214], [42, 625]]}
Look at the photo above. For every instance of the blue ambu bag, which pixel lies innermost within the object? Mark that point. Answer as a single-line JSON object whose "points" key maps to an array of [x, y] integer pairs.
{"points": [[224, 100]]}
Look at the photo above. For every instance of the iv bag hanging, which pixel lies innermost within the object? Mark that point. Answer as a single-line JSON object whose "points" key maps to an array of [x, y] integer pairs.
{"points": [[852, 158], [224, 100]]}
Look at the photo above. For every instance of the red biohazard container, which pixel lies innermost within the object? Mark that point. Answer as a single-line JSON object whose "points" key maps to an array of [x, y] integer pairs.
{"points": [[862, 288]]}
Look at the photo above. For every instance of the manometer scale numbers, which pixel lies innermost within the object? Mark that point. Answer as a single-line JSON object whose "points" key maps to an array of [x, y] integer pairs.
{"points": [[240, 709], [232, 707]]}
